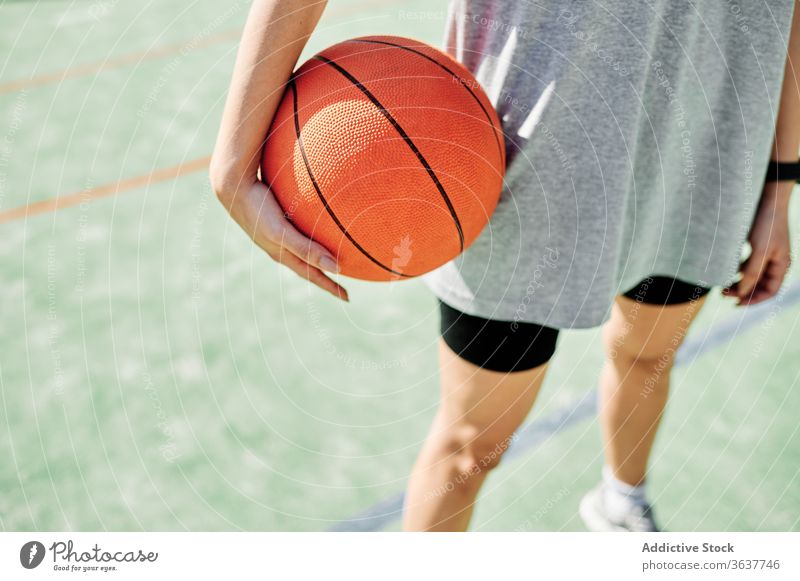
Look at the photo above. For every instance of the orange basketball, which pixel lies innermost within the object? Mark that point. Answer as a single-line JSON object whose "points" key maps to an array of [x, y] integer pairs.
{"points": [[387, 152]]}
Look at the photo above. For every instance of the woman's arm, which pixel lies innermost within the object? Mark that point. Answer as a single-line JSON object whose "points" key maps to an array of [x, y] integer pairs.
{"points": [[763, 272], [273, 38]]}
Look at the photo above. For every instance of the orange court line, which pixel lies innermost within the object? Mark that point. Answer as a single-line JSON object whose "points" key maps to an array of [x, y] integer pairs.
{"points": [[117, 62], [148, 54], [67, 200]]}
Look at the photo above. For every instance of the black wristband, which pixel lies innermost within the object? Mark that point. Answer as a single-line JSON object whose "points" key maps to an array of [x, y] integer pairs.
{"points": [[783, 171]]}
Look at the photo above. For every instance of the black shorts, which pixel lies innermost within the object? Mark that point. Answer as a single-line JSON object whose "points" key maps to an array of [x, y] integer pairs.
{"points": [[516, 346]]}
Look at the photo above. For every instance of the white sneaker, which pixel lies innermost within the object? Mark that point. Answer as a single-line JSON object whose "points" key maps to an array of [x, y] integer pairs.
{"points": [[592, 510]]}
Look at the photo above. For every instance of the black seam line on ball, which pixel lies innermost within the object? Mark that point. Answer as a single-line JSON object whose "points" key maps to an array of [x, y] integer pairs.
{"points": [[324, 201], [408, 141], [455, 75]]}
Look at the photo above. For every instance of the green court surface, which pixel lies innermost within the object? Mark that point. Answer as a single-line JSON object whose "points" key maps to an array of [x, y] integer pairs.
{"points": [[158, 372]]}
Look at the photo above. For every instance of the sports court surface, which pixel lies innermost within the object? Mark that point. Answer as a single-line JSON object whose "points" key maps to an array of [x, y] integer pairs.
{"points": [[157, 372]]}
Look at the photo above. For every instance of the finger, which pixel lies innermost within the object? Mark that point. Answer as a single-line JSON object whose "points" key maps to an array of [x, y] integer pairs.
{"points": [[770, 282], [751, 270], [767, 287], [759, 294], [313, 275], [277, 229], [306, 249]]}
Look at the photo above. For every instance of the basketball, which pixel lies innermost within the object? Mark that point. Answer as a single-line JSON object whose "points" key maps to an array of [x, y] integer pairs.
{"points": [[387, 152]]}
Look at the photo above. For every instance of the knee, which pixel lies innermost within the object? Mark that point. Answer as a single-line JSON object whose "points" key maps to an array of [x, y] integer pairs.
{"points": [[474, 449], [625, 350]]}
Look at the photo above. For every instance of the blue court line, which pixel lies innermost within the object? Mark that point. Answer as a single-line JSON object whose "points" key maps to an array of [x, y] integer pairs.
{"points": [[538, 432]]}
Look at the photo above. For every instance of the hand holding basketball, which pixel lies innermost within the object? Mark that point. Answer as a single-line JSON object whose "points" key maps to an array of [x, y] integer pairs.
{"points": [[384, 160], [255, 209]]}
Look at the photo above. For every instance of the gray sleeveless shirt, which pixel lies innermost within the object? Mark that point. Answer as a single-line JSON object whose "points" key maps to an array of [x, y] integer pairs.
{"points": [[638, 135]]}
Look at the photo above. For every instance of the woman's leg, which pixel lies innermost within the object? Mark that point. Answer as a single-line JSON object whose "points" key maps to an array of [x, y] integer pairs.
{"points": [[478, 414], [491, 372], [640, 341]]}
